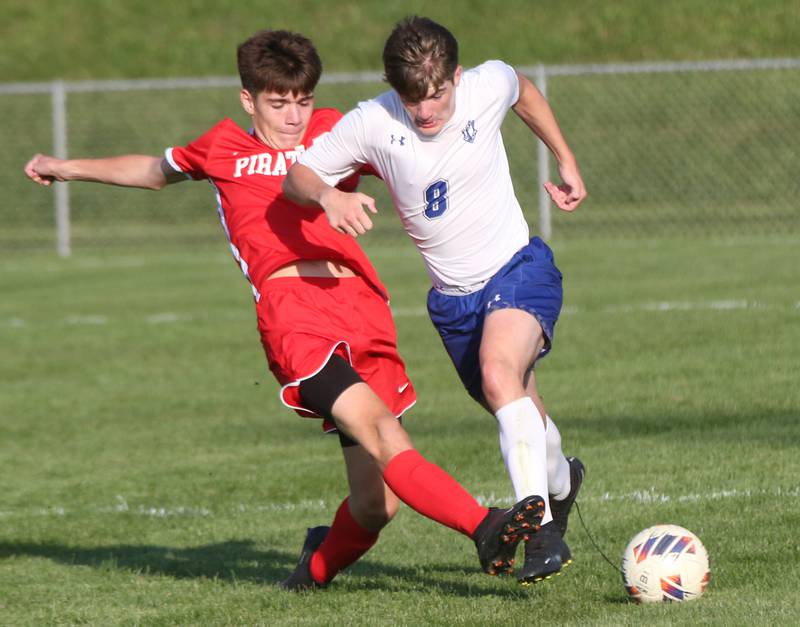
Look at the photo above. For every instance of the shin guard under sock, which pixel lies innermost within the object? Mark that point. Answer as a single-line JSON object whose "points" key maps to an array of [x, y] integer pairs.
{"points": [[430, 491]]}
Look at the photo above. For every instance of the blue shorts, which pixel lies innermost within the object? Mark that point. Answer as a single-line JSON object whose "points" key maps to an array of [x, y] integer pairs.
{"points": [[530, 281]]}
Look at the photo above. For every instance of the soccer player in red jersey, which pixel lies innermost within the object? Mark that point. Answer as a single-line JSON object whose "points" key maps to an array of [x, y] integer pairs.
{"points": [[322, 311]]}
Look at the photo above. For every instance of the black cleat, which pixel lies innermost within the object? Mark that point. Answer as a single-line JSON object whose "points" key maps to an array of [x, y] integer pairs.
{"points": [[546, 554], [498, 535], [301, 579], [561, 509]]}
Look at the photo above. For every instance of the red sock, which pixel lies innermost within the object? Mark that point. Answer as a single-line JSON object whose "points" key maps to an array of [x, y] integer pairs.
{"points": [[432, 492], [345, 543]]}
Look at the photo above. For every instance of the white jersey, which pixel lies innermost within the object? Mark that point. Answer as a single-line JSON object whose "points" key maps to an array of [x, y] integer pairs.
{"points": [[452, 191]]}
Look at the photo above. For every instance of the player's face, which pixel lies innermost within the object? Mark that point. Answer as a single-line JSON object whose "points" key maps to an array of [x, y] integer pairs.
{"points": [[435, 110], [279, 120]]}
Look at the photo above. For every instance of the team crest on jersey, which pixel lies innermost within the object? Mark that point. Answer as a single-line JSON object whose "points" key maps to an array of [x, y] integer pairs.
{"points": [[469, 132]]}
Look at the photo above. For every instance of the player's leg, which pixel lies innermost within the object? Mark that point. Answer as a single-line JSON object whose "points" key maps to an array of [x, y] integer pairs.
{"points": [[507, 334], [367, 509], [511, 340], [523, 303], [362, 416], [564, 474], [372, 503], [359, 519], [557, 465], [298, 320]]}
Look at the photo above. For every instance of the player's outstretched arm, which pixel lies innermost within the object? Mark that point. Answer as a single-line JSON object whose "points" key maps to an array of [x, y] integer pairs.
{"points": [[534, 110], [127, 170], [344, 210]]}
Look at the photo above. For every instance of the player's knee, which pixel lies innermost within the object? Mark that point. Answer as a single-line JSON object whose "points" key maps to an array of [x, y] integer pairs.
{"points": [[392, 506], [374, 421], [374, 511], [497, 380]]}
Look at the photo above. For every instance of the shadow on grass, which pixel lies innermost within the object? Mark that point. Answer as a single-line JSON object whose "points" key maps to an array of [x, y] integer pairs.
{"points": [[780, 429], [777, 429], [240, 561]]}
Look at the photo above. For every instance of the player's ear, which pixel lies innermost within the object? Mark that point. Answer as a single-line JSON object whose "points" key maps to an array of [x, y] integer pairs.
{"points": [[248, 102], [457, 75]]}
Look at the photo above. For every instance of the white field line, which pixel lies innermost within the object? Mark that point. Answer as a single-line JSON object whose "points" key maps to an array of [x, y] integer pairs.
{"points": [[86, 320], [650, 497], [170, 317], [167, 318]]}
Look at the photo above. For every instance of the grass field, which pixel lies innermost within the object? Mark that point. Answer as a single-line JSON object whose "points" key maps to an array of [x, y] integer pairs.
{"points": [[150, 475], [154, 39]]}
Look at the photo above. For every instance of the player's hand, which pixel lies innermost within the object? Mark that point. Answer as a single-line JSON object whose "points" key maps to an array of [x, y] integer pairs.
{"points": [[41, 169], [346, 211], [571, 192]]}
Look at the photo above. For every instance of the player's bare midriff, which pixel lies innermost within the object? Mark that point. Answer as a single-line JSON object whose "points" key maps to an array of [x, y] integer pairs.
{"points": [[313, 268]]}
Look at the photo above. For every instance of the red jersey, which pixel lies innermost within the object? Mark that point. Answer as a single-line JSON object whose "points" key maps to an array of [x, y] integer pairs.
{"points": [[266, 231]]}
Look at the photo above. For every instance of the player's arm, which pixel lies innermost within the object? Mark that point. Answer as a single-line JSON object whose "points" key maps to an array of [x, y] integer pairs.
{"points": [[127, 170], [330, 161], [344, 210], [534, 110]]}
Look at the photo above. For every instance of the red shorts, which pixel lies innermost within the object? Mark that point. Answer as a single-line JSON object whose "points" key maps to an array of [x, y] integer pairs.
{"points": [[305, 320]]}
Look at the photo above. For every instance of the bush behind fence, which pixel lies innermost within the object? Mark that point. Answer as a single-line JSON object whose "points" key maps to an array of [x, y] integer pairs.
{"points": [[665, 149]]}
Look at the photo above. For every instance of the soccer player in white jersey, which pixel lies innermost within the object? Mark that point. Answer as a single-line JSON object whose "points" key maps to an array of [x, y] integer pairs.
{"points": [[496, 295]]}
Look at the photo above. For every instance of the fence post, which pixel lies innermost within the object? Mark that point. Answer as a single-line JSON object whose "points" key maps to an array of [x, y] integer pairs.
{"points": [[61, 190], [543, 163]]}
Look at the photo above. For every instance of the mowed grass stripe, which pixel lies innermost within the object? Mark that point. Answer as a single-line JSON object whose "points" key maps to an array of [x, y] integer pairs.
{"points": [[169, 317]]}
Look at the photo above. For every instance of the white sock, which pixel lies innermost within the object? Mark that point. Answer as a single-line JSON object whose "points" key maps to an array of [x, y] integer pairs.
{"points": [[522, 443], [557, 465]]}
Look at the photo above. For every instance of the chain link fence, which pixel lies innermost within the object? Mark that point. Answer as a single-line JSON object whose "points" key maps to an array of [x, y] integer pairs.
{"points": [[687, 150]]}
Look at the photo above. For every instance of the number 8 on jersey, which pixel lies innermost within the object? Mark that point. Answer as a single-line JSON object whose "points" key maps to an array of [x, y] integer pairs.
{"points": [[436, 199]]}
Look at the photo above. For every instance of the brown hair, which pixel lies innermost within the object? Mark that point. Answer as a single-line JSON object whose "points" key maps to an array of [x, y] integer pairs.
{"points": [[279, 61], [418, 55]]}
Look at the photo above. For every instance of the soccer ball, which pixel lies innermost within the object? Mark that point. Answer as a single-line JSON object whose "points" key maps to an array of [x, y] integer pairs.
{"points": [[665, 563]]}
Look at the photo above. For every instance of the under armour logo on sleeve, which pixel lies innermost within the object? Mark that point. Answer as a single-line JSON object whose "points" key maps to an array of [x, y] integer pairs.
{"points": [[400, 140]]}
